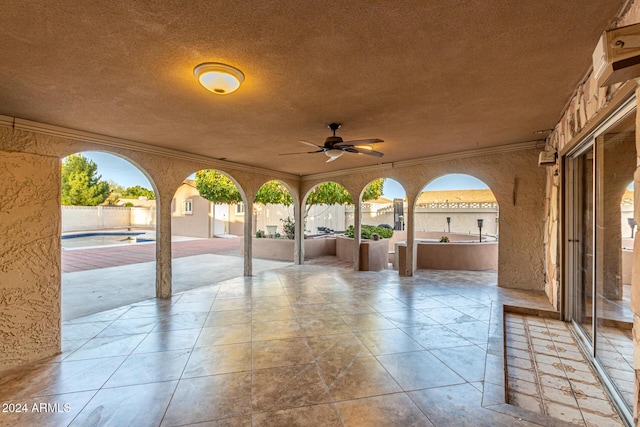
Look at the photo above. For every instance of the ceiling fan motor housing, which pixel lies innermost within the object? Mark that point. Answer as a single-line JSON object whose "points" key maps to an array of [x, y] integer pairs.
{"points": [[330, 141]]}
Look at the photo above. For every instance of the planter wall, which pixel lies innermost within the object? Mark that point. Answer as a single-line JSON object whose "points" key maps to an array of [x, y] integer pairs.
{"points": [[374, 255], [282, 249], [453, 256]]}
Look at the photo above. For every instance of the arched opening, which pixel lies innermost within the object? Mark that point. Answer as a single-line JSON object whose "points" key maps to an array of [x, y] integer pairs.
{"points": [[207, 218], [273, 225], [108, 234], [383, 207], [456, 225], [324, 212]]}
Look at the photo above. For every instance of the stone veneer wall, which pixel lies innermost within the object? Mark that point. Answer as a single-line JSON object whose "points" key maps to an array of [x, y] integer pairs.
{"points": [[29, 258]]}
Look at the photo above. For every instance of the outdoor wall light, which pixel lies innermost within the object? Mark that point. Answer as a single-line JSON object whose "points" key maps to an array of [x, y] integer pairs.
{"points": [[219, 78], [480, 221]]}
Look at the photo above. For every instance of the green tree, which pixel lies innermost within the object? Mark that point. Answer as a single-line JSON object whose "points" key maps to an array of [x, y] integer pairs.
{"points": [[217, 187], [138, 191], [275, 193], [331, 193], [80, 184]]}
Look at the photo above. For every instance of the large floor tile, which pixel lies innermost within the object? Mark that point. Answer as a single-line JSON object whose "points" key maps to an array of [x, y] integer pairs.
{"points": [[466, 361], [352, 378], [210, 398], [390, 410], [274, 353], [287, 387], [419, 369], [150, 367], [305, 416], [458, 405], [220, 359], [123, 406], [388, 341]]}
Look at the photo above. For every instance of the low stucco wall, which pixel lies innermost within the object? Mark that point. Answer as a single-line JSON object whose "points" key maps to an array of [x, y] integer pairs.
{"points": [[344, 248], [282, 249], [374, 255], [401, 236], [452, 256]]}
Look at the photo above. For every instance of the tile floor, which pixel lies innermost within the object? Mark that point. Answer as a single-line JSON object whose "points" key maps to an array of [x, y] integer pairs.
{"points": [[548, 374], [301, 345]]}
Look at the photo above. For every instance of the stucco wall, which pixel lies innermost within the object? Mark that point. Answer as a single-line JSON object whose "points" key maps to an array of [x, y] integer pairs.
{"points": [[77, 218], [196, 224], [518, 184], [29, 258]]}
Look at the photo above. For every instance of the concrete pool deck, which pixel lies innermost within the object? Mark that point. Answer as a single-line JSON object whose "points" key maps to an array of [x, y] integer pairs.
{"points": [[79, 259]]}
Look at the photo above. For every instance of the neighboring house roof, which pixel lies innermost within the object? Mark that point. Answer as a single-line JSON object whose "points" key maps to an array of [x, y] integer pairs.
{"points": [[456, 196], [189, 182]]}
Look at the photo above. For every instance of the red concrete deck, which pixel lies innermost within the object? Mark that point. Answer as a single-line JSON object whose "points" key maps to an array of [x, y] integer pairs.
{"points": [[113, 256]]}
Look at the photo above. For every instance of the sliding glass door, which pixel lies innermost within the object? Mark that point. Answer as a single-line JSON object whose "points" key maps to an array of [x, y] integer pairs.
{"points": [[599, 231]]}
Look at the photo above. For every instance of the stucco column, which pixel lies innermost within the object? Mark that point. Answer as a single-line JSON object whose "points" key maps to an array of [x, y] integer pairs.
{"points": [[298, 245], [163, 245], [30, 258], [248, 238], [409, 220], [357, 221]]}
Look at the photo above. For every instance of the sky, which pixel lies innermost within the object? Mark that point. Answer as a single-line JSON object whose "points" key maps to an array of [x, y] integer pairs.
{"points": [[117, 169], [121, 171]]}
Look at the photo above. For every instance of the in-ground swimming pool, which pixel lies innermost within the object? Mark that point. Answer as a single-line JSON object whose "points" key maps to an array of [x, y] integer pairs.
{"points": [[81, 240]]}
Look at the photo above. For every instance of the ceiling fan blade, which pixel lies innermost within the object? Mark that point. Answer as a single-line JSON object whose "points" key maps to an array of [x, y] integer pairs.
{"points": [[310, 144], [365, 151], [358, 141], [301, 152]]}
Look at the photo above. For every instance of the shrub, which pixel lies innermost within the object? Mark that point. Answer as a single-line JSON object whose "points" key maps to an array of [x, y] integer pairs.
{"points": [[367, 230], [259, 234], [289, 227]]}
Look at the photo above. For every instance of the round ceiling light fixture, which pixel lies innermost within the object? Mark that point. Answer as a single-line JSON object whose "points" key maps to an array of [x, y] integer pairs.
{"points": [[219, 78]]}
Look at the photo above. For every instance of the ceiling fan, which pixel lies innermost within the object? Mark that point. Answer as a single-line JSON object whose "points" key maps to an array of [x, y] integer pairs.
{"points": [[334, 146]]}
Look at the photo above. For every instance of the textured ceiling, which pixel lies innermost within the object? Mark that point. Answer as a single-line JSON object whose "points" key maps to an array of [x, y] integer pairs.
{"points": [[428, 77]]}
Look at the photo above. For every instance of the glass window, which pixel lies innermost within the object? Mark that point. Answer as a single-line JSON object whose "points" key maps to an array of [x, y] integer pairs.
{"points": [[187, 207]]}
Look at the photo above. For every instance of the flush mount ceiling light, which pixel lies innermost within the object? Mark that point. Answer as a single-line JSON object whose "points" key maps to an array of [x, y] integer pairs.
{"points": [[219, 78]]}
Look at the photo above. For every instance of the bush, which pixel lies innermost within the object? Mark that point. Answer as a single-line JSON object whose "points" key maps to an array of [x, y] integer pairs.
{"points": [[289, 227], [367, 230], [260, 234]]}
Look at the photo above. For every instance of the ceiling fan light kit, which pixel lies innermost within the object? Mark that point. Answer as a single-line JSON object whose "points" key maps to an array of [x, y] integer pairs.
{"points": [[221, 79], [334, 147]]}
